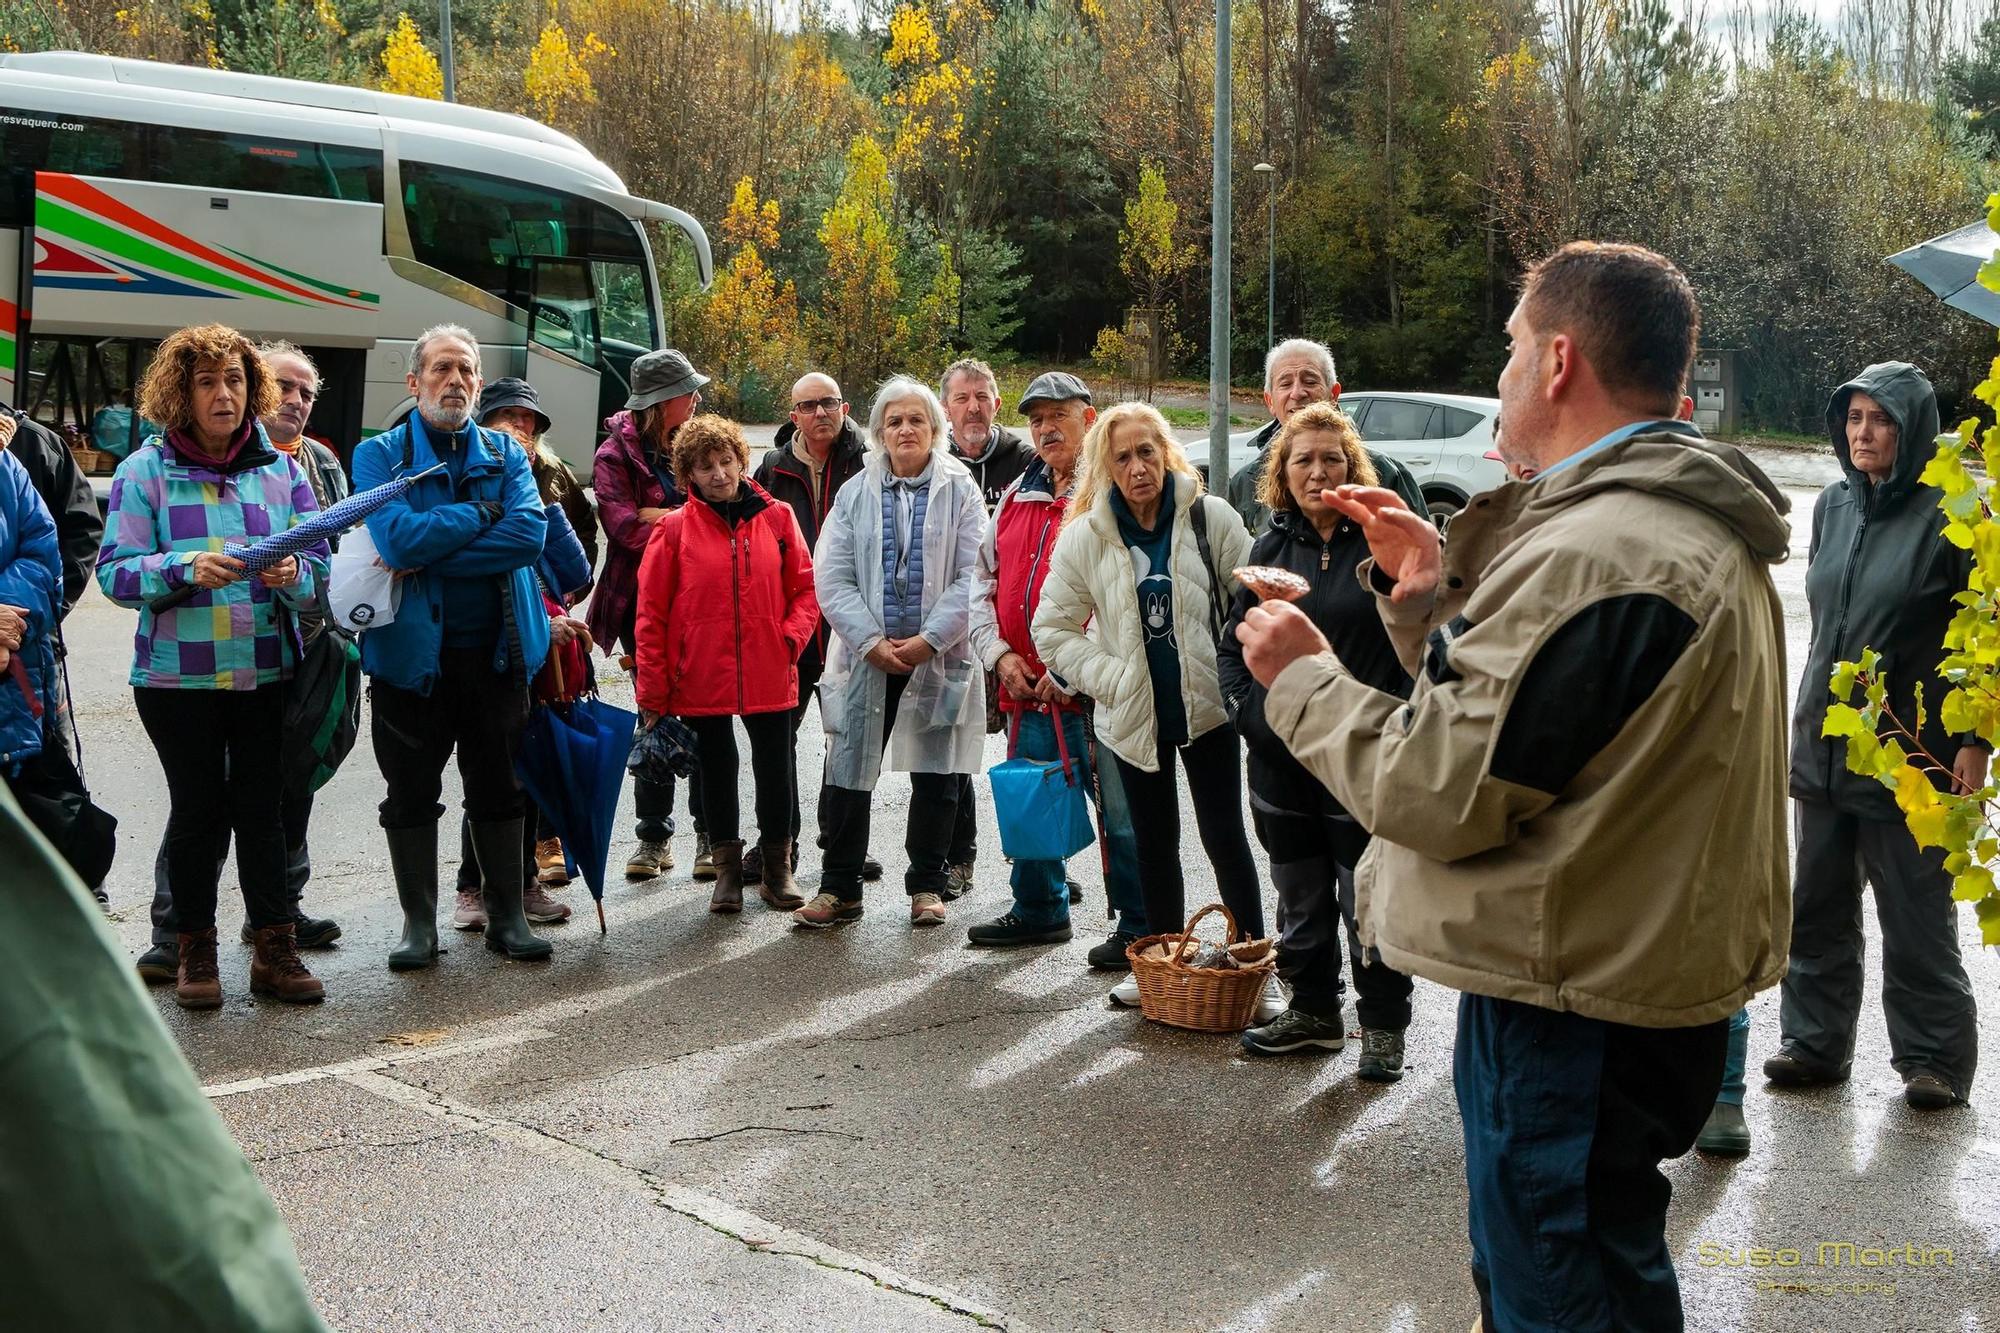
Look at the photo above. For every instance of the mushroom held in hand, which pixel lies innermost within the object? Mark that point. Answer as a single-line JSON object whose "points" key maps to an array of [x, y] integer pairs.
{"points": [[1271, 583]]}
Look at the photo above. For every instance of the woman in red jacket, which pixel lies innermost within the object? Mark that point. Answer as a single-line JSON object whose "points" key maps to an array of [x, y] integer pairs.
{"points": [[726, 604]]}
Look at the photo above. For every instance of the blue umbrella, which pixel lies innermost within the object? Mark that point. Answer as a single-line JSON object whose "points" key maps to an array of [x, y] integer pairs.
{"points": [[309, 531], [572, 762]]}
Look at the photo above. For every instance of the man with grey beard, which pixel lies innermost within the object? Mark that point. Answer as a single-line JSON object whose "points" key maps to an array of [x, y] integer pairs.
{"points": [[452, 670]]}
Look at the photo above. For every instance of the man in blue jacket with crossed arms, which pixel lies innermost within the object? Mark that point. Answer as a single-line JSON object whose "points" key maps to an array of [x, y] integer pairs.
{"points": [[452, 670]]}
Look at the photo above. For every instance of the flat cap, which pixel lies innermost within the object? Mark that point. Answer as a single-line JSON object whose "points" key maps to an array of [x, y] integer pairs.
{"points": [[1055, 386]]}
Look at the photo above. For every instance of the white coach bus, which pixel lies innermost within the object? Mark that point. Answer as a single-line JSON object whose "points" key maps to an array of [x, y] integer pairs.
{"points": [[136, 198]]}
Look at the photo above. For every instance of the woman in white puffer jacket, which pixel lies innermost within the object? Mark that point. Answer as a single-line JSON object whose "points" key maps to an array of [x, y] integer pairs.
{"points": [[1129, 617]]}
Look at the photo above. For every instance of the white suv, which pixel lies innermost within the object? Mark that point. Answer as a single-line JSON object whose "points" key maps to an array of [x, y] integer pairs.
{"points": [[1444, 439]]}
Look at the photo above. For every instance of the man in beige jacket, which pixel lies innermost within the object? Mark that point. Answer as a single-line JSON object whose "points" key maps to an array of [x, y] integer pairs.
{"points": [[1579, 814]]}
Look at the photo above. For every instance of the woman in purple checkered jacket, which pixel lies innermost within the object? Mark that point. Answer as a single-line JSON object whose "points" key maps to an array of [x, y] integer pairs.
{"points": [[208, 676]]}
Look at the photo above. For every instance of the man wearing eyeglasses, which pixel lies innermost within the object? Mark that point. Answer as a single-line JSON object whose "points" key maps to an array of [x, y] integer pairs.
{"points": [[298, 387], [815, 453]]}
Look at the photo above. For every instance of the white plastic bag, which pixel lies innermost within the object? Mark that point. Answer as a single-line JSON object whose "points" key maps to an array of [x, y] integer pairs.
{"points": [[362, 591]]}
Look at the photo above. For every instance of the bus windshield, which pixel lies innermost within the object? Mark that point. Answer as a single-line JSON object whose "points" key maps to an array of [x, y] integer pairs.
{"points": [[490, 232]]}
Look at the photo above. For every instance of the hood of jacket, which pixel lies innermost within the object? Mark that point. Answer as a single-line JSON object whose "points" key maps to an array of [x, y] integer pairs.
{"points": [[1717, 478], [1881, 576], [1905, 393]]}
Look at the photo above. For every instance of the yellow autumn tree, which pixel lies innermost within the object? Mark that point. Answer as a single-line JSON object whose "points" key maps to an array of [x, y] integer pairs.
{"points": [[931, 88], [408, 67], [858, 328], [1154, 260], [927, 346], [557, 79], [746, 332]]}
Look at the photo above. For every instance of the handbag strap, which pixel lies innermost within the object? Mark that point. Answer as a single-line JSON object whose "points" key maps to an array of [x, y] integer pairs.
{"points": [[1198, 520], [1062, 742]]}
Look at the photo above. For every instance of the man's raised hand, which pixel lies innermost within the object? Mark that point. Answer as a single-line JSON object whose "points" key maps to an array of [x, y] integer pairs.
{"points": [[1406, 546]]}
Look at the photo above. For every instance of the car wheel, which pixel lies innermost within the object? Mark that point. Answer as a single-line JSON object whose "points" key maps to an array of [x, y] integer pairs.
{"points": [[1442, 508]]}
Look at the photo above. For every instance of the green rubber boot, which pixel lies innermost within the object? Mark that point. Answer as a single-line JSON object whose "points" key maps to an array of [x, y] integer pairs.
{"points": [[414, 862], [501, 869]]}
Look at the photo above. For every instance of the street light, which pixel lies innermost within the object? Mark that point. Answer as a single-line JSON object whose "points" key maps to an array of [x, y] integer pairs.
{"points": [[447, 65], [1218, 264], [1270, 175]]}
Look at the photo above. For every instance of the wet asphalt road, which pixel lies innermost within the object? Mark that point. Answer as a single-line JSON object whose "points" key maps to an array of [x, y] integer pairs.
{"points": [[718, 1123]]}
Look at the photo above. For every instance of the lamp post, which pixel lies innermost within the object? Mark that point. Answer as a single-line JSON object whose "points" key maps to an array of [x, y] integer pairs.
{"points": [[1270, 175], [444, 46], [1218, 268]]}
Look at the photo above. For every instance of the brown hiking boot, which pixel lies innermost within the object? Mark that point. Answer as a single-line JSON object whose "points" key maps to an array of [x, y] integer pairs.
{"points": [[197, 982], [275, 969], [776, 887], [550, 868], [728, 895]]}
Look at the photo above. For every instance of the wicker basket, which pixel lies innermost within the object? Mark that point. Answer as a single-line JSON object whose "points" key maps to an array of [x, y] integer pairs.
{"points": [[1200, 999]]}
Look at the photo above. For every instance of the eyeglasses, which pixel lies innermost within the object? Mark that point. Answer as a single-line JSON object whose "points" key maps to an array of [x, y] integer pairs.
{"points": [[305, 392], [812, 407]]}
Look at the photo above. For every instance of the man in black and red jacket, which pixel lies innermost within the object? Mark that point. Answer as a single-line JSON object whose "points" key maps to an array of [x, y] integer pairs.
{"points": [[816, 453]]}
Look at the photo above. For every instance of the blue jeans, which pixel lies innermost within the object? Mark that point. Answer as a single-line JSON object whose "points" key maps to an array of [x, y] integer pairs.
{"points": [[1120, 847], [1738, 1056], [1041, 896], [1566, 1121]]}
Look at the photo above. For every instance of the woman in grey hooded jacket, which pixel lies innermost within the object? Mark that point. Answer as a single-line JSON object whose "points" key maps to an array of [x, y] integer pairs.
{"points": [[1880, 575]]}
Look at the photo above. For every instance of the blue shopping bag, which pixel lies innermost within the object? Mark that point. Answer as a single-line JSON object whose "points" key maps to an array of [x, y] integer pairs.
{"points": [[1043, 805]]}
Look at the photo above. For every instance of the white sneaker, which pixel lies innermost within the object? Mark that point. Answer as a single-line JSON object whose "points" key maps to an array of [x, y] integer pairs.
{"points": [[1125, 995], [1273, 1001]]}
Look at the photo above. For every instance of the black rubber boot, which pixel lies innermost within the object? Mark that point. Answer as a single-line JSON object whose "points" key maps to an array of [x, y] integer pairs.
{"points": [[414, 862], [498, 846]]}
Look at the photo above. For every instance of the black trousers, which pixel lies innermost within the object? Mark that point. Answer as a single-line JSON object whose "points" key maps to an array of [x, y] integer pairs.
{"points": [[533, 829], [295, 813], [1566, 1122], [843, 822], [771, 770], [1312, 864], [473, 709], [220, 752], [1927, 998], [1214, 764], [811, 667]]}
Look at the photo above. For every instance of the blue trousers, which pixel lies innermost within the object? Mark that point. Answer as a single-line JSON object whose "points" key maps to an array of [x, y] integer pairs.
{"points": [[1041, 893], [1566, 1121], [1737, 1058]]}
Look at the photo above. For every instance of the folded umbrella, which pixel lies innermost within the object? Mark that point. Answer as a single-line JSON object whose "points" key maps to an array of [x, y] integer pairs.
{"points": [[664, 751], [1950, 265], [309, 531], [572, 761]]}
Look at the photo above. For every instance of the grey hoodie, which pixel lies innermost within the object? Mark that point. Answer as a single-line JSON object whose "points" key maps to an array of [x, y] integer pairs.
{"points": [[1880, 575]]}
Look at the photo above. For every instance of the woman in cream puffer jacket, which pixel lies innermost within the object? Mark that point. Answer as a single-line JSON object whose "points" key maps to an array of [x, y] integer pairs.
{"points": [[1129, 617]]}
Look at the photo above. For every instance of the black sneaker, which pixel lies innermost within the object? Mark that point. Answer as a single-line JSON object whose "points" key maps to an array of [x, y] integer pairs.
{"points": [[753, 865], [1788, 1069], [871, 869], [1108, 954], [1075, 892], [1295, 1030], [309, 931], [1011, 932], [1381, 1056], [1925, 1091], [160, 965]]}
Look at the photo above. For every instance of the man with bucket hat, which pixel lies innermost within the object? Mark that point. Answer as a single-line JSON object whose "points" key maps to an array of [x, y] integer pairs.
{"points": [[633, 478]]}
